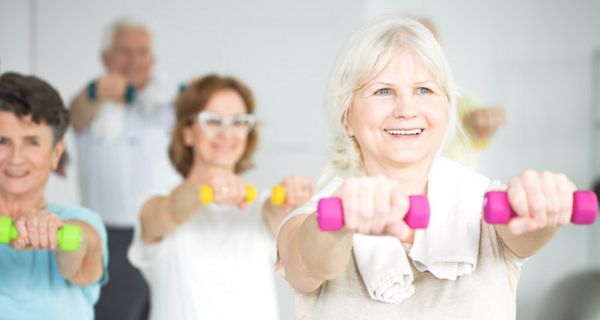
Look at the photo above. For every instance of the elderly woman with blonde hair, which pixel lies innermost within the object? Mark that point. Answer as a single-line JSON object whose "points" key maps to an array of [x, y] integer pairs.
{"points": [[392, 99]]}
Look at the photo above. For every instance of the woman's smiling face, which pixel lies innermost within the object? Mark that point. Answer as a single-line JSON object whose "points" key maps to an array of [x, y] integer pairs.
{"points": [[400, 116], [27, 154], [224, 146]]}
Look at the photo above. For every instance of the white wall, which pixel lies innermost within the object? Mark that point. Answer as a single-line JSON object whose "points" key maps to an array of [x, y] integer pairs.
{"points": [[283, 51], [534, 59], [14, 31], [531, 57]]}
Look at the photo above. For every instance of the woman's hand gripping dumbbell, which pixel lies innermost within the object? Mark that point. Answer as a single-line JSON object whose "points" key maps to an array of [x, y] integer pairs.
{"points": [[68, 236], [377, 205], [292, 192], [497, 208], [539, 200], [207, 194], [225, 188], [113, 87]]}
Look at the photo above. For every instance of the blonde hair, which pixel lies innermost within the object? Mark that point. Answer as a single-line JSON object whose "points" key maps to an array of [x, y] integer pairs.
{"points": [[364, 56]]}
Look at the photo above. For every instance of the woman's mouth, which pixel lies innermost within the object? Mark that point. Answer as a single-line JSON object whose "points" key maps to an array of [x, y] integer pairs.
{"points": [[404, 132], [16, 173]]}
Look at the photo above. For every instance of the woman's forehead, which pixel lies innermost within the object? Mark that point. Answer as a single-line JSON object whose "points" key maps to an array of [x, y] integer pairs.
{"points": [[405, 65], [10, 122], [226, 102]]}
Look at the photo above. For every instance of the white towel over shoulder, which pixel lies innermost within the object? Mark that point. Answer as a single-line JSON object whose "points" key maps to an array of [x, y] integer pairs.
{"points": [[448, 248]]}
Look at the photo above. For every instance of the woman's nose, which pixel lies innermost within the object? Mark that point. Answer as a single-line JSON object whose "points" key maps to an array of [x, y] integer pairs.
{"points": [[404, 107], [16, 155]]}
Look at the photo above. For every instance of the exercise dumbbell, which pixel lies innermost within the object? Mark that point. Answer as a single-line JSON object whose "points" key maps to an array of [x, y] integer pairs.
{"points": [[128, 95], [497, 210], [330, 213], [181, 88], [207, 196], [278, 195], [68, 236]]}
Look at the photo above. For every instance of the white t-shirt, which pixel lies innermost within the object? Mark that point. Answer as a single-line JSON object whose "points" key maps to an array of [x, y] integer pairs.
{"points": [[217, 265], [116, 175]]}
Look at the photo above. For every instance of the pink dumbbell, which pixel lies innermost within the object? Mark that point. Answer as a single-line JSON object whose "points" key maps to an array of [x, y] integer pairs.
{"points": [[497, 210], [330, 213]]}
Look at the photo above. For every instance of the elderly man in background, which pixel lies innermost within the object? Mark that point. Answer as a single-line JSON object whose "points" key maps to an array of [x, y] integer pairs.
{"points": [[122, 121]]}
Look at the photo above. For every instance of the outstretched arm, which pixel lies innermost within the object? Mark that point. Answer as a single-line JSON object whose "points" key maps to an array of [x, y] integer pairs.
{"points": [[543, 202]]}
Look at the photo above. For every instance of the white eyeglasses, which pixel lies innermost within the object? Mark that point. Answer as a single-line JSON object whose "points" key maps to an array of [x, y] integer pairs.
{"points": [[240, 124]]}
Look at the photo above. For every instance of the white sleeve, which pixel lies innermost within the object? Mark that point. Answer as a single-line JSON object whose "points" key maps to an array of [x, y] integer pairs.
{"points": [[141, 255]]}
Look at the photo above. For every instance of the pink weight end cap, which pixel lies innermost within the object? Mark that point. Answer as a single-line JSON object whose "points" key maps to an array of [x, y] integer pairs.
{"points": [[585, 207], [496, 208], [417, 216], [330, 214]]}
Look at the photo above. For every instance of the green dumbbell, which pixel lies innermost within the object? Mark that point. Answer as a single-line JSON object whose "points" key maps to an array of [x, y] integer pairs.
{"points": [[68, 236]]}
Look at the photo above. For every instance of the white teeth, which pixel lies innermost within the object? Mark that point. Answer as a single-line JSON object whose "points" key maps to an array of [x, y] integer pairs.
{"points": [[15, 173], [398, 132]]}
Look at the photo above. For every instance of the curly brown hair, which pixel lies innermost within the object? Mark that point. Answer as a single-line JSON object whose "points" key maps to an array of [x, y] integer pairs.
{"points": [[192, 101]]}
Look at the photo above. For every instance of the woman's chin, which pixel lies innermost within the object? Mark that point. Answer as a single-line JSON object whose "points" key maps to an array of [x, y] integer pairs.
{"points": [[14, 190], [409, 158], [22, 185], [223, 163]]}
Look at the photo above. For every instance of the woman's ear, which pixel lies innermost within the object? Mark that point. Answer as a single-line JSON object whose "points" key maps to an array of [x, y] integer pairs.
{"points": [[347, 126], [188, 136], [57, 152]]}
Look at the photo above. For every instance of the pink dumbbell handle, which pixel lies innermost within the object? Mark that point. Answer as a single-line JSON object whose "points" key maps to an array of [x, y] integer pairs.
{"points": [[330, 213], [497, 210]]}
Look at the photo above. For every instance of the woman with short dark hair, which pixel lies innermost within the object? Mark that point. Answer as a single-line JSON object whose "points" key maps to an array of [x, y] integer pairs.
{"points": [[41, 278]]}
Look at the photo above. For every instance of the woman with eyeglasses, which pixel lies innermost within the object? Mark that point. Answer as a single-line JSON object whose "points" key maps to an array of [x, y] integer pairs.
{"points": [[212, 261]]}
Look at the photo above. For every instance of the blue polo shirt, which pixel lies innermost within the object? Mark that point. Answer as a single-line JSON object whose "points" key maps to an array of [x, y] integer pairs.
{"points": [[31, 286]]}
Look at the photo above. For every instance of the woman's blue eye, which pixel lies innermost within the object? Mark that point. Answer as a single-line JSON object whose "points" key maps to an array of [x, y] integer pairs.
{"points": [[423, 90], [383, 92]]}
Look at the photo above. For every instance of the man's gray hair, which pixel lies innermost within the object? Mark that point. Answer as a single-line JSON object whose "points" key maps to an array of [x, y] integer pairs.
{"points": [[108, 36]]}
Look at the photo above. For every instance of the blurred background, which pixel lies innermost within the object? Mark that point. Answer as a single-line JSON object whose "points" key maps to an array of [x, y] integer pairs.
{"points": [[539, 60]]}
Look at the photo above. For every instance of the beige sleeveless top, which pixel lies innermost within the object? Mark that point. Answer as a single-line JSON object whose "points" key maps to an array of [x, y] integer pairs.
{"points": [[487, 293]]}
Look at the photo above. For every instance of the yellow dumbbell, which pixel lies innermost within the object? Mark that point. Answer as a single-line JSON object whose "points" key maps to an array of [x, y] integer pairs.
{"points": [[278, 195], [207, 196], [479, 144]]}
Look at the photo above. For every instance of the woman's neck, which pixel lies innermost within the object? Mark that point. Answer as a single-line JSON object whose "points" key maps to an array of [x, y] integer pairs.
{"points": [[15, 205], [201, 172], [412, 177]]}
